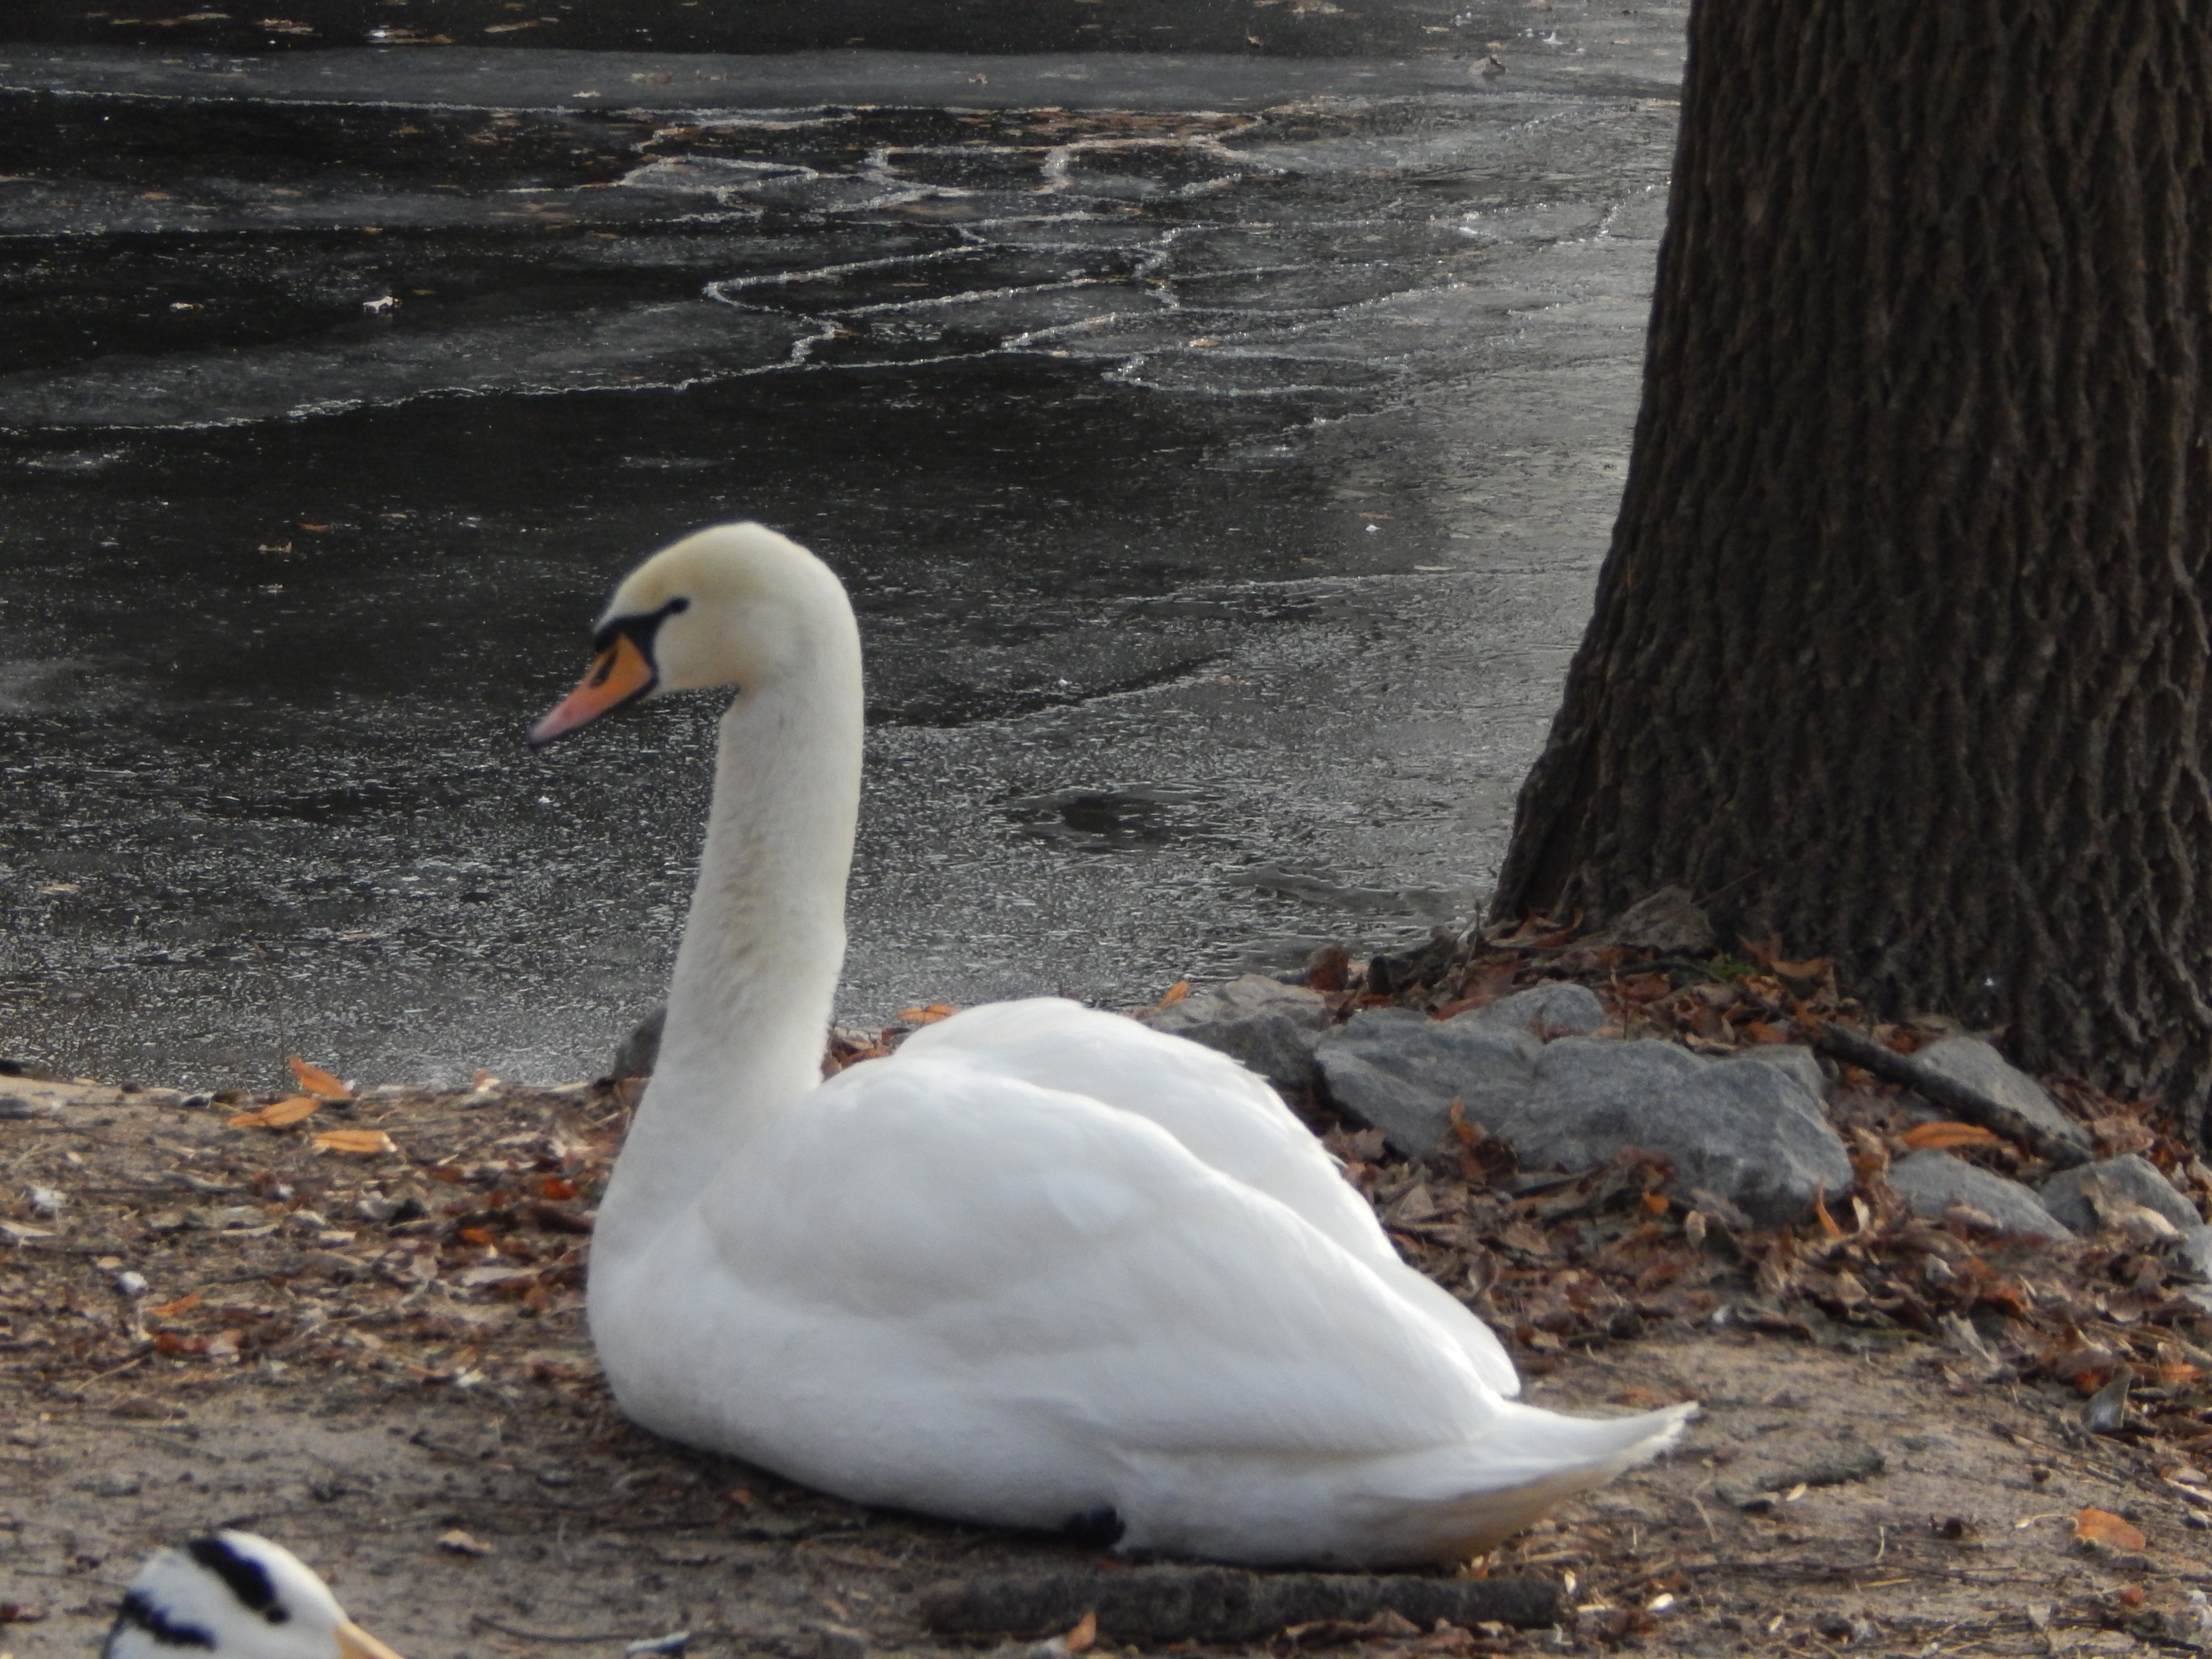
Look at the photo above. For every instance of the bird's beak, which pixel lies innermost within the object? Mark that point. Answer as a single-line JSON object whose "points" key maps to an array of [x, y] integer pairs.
{"points": [[620, 674], [355, 1642]]}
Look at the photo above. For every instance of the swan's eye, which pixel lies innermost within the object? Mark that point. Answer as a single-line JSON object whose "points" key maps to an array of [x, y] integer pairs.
{"points": [[640, 627], [246, 1578]]}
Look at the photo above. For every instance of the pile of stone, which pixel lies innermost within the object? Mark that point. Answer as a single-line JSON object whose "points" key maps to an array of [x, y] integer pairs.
{"points": [[1541, 1071]]}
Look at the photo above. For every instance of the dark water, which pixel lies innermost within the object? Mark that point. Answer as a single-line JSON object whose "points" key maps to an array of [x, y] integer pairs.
{"points": [[1218, 449]]}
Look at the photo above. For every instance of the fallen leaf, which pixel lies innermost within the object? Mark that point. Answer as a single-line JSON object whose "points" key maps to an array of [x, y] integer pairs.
{"points": [[1820, 1209], [365, 1142], [182, 1305], [1803, 978], [290, 1109], [1763, 951], [929, 1016], [1174, 993], [2103, 1527], [457, 1542], [1942, 1136], [1084, 1633], [317, 1081]]}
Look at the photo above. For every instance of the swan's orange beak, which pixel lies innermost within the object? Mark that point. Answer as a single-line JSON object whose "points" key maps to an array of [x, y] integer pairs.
{"points": [[355, 1642], [619, 674]]}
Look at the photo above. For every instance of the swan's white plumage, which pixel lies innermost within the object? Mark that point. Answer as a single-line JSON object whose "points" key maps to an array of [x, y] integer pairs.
{"points": [[1040, 1263], [1224, 1116]]}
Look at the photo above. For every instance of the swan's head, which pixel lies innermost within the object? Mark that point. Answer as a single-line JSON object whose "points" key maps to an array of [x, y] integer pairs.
{"points": [[234, 1595], [736, 605]]}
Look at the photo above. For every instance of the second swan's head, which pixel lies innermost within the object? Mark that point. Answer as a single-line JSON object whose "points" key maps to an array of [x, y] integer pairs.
{"points": [[736, 604]]}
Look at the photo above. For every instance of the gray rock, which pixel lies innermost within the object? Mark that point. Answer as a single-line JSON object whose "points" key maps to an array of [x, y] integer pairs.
{"points": [[2194, 1252], [641, 1050], [2135, 1179], [1930, 1182], [1399, 1070], [1544, 1011], [1970, 1061], [1666, 921], [1793, 1059], [1269, 1026], [1749, 1129]]}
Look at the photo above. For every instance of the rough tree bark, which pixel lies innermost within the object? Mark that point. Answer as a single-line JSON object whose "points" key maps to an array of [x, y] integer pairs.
{"points": [[1900, 649]]}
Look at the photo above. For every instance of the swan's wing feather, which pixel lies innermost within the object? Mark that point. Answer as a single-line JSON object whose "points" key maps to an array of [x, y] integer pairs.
{"points": [[1039, 1249], [1223, 1115]]}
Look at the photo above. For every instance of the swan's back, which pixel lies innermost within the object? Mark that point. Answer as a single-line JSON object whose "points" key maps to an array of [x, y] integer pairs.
{"points": [[1222, 1114]]}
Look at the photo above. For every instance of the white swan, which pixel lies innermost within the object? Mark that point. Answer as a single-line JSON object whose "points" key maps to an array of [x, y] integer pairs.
{"points": [[234, 1595], [1043, 1266]]}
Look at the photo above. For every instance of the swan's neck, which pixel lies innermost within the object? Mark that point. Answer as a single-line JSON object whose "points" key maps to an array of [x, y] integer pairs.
{"points": [[757, 974]]}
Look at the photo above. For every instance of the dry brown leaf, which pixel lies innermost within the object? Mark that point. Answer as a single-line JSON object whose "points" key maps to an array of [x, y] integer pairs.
{"points": [[1827, 1222], [457, 1542], [182, 1305], [290, 1109], [1084, 1633], [928, 1016], [2103, 1527], [1174, 993], [1942, 1136], [1811, 971], [317, 1081], [1762, 950], [365, 1142]]}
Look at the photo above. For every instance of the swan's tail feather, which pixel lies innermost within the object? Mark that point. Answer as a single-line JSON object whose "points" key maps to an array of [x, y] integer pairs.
{"points": [[1545, 1460], [1553, 1443]]}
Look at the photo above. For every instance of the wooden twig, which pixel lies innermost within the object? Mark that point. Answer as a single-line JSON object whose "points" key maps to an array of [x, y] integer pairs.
{"points": [[699, 1633], [1156, 1606], [1968, 1104]]}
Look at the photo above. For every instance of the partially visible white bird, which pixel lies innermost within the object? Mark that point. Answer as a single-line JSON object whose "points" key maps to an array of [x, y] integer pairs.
{"points": [[1043, 1267], [234, 1595]]}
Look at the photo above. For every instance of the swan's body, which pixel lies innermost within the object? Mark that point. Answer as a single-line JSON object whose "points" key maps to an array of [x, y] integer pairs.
{"points": [[1042, 1265], [234, 1595]]}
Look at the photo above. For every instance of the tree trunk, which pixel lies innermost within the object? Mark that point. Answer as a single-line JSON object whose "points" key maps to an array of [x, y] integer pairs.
{"points": [[1901, 650]]}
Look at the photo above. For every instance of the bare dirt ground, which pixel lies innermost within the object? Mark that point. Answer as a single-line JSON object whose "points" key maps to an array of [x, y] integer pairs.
{"points": [[377, 1357]]}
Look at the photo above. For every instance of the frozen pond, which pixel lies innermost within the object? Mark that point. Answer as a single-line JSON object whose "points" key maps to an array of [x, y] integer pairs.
{"points": [[1219, 448]]}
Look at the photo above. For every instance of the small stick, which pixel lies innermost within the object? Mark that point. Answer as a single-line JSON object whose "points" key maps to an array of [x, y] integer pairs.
{"points": [[1158, 1605], [703, 1633], [1969, 1104]]}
